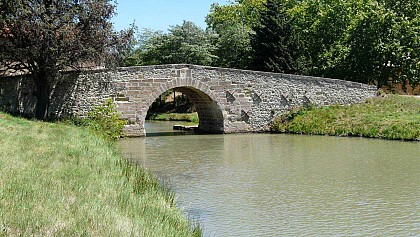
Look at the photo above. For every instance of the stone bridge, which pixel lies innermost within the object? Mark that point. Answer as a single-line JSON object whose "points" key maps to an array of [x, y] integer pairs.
{"points": [[227, 100]]}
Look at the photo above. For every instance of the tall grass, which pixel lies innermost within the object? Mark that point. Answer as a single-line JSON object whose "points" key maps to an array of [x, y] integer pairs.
{"points": [[388, 117], [62, 180]]}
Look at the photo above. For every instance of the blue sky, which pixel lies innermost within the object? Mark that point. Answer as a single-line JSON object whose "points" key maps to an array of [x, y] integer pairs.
{"points": [[160, 14]]}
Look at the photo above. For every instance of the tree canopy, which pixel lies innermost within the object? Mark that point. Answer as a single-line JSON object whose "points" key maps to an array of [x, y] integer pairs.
{"points": [[186, 43], [276, 46], [233, 23], [384, 45], [45, 37], [370, 41]]}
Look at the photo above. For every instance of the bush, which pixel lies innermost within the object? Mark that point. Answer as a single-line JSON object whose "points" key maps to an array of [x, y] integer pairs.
{"points": [[103, 120]]}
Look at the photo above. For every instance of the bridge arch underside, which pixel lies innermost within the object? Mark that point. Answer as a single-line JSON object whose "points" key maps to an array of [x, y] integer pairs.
{"points": [[209, 112]]}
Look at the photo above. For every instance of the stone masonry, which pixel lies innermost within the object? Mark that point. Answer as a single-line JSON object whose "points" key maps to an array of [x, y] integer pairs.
{"points": [[227, 100]]}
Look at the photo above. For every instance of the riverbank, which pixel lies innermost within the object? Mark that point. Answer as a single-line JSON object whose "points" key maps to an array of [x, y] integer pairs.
{"points": [[388, 117], [59, 179], [188, 117]]}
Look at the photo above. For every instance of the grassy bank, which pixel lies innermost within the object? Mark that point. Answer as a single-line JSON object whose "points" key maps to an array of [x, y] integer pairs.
{"points": [[62, 180], [388, 117], [189, 117]]}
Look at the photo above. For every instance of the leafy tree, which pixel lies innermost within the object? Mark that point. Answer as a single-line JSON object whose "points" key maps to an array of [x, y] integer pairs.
{"points": [[186, 43], [237, 11], [233, 47], [45, 37], [323, 27], [276, 45], [370, 41], [233, 24], [384, 45]]}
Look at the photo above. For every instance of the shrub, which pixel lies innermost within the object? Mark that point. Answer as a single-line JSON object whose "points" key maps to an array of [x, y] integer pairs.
{"points": [[103, 120]]}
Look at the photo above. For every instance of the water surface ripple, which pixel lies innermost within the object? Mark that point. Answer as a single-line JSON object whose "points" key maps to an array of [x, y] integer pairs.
{"points": [[288, 185]]}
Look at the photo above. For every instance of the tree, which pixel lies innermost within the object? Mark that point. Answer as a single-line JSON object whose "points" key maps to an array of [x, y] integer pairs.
{"points": [[186, 43], [276, 45], [384, 45], [233, 47], [370, 41], [46, 37], [237, 11], [233, 25]]}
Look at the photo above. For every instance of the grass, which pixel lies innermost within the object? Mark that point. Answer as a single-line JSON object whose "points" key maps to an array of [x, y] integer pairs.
{"points": [[62, 180], [389, 117], [189, 117]]}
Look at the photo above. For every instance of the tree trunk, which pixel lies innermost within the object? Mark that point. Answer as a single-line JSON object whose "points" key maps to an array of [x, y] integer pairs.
{"points": [[43, 96]]}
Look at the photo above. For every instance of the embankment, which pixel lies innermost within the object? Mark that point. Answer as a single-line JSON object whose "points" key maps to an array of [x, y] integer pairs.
{"points": [[387, 117], [61, 180]]}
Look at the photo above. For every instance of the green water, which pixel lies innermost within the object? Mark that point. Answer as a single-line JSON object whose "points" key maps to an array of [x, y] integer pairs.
{"points": [[287, 185]]}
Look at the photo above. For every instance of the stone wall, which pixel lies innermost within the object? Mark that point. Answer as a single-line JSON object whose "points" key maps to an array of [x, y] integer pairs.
{"points": [[227, 100], [72, 94]]}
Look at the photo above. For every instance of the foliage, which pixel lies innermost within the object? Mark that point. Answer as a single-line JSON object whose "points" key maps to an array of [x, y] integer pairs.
{"points": [[369, 41], [384, 45], [189, 117], [103, 120], [323, 27], [61, 180], [245, 11], [233, 48], [389, 117], [276, 47], [233, 24], [186, 43], [46, 37]]}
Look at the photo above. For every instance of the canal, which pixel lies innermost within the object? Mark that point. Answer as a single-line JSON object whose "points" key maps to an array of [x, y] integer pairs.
{"points": [[286, 185]]}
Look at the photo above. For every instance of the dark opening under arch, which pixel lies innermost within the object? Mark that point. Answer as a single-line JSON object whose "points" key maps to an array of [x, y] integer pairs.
{"points": [[209, 112]]}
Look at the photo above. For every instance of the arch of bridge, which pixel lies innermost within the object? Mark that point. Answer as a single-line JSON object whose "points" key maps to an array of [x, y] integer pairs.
{"points": [[207, 102]]}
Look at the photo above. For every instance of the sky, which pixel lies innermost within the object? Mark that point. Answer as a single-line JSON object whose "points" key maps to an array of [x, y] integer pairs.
{"points": [[161, 14]]}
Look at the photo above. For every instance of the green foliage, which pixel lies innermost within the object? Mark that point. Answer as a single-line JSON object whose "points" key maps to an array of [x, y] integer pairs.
{"points": [[233, 47], [103, 120], [186, 43], [384, 46], [278, 125], [369, 41], [233, 24], [323, 27], [276, 46], [390, 117], [189, 117], [47, 37], [244, 11]]}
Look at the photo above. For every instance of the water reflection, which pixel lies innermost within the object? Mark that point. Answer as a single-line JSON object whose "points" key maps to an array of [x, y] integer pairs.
{"points": [[289, 185], [154, 128]]}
